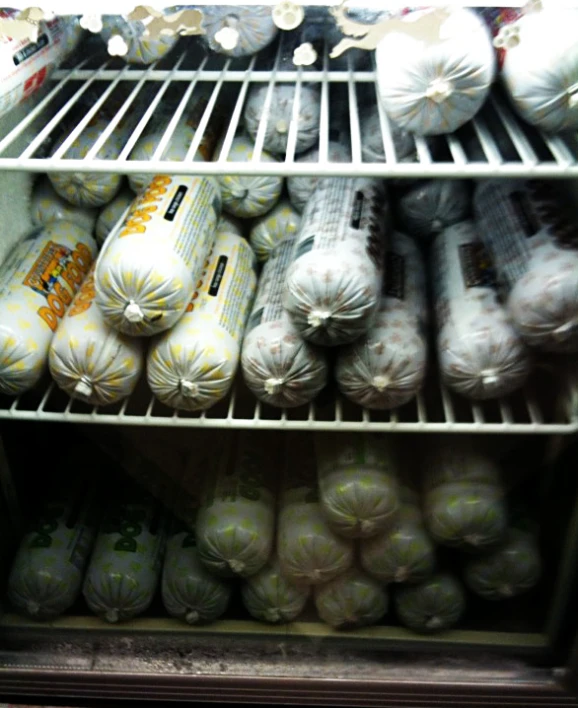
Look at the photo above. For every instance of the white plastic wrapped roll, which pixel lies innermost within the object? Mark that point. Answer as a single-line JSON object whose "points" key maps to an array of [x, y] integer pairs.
{"points": [[530, 231], [540, 70], [372, 141], [301, 188], [239, 30], [480, 354], [111, 213], [90, 360], [269, 230], [147, 273], [309, 550], [37, 283], [434, 69], [352, 600], [125, 38], [192, 366], [26, 65], [430, 206], [334, 282], [279, 367], [248, 196], [281, 116], [48, 206], [386, 367]]}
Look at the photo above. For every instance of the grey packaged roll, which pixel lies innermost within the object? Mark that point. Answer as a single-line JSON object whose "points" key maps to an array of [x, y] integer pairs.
{"points": [[239, 30], [46, 575], [385, 368], [111, 213], [430, 206], [352, 600], [280, 116], [189, 591], [48, 206], [271, 597], [436, 604], [269, 230], [126, 38], [435, 68], [540, 70], [358, 486], [236, 519], [124, 568], [309, 550], [480, 354], [372, 147], [334, 282], [301, 188], [278, 365], [530, 231]]}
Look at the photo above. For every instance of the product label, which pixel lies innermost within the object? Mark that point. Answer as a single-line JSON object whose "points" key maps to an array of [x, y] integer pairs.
{"points": [[268, 305], [394, 280], [476, 265], [30, 50], [85, 296], [41, 534]]}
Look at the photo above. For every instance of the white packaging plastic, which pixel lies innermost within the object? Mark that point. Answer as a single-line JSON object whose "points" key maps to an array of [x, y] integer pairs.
{"points": [[239, 30], [386, 367], [26, 65], [125, 38], [334, 282], [279, 367], [192, 366], [236, 519], [269, 230], [540, 70], [90, 360], [248, 196], [372, 147], [436, 604], [111, 213], [147, 273], [480, 354], [352, 600], [358, 487], [301, 188], [434, 69], [309, 551], [530, 232], [430, 206], [280, 116], [48, 206], [37, 283]]}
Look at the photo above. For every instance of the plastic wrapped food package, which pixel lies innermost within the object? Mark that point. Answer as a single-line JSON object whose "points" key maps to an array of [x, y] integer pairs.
{"points": [[357, 482], [386, 367], [239, 30], [436, 604], [334, 282], [248, 196], [270, 597], [236, 519], [111, 213], [529, 230], [37, 283], [90, 360], [189, 591], [280, 116], [124, 568], [269, 230], [511, 569], [126, 38], [351, 600], [430, 206], [193, 365], [309, 550], [147, 273], [463, 497], [48, 206], [480, 354], [278, 366], [435, 69], [372, 147], [540, 68], [46, 575], [301, 188]]}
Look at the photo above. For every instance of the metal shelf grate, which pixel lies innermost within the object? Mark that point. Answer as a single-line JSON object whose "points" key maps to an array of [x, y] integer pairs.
{"points": [[495, 143], [435, 410]]}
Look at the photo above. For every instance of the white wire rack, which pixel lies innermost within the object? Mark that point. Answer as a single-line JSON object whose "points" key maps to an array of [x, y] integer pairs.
{"points": [[435, 410], [495, 143]]}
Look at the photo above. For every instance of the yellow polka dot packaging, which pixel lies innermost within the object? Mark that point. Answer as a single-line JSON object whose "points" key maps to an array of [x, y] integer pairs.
{"points": [[48, 206]]}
